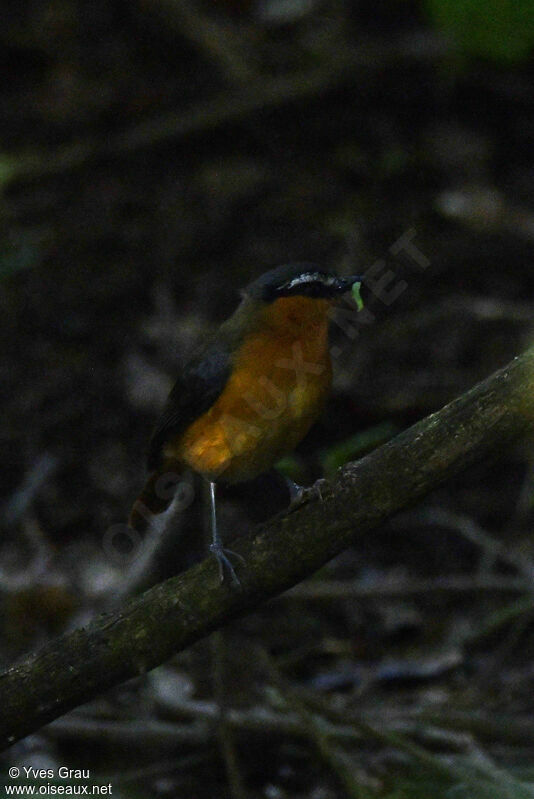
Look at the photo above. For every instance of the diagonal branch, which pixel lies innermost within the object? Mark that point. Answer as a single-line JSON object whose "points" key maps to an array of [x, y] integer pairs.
{"points": [[174, 614]]}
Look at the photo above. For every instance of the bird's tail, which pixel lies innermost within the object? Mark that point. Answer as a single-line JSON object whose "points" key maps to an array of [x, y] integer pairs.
{"points": [[156, 496]]}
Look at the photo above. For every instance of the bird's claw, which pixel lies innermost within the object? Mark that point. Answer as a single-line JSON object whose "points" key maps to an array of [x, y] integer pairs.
{"points": [[225, 564], [298, 494], [317, 486]]}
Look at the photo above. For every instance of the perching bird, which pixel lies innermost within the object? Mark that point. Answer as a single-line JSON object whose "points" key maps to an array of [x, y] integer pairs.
{"points": [[250, 393]]}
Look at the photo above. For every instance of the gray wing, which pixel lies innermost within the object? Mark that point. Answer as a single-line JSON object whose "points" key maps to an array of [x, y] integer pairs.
{"points": [[198, 387]]}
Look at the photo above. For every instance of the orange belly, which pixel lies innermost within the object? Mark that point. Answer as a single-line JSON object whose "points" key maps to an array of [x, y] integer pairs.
{"points": [[276, 392]]}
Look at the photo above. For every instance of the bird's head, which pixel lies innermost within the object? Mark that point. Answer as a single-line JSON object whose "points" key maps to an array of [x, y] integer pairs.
{"points": [[295, 297], [299, 280]]}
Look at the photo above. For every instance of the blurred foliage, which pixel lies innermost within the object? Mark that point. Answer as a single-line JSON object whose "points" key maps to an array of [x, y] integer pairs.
{"points": [[356, 446], [435, 788], [20, 255], [8, 168], [502, 30], [292, 467]]}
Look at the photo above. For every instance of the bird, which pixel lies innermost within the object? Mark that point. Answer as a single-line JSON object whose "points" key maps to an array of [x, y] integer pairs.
{"points": [[249, 393]]}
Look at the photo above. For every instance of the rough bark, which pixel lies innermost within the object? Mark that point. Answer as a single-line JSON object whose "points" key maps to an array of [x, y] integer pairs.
{"points": [[169, 617]]}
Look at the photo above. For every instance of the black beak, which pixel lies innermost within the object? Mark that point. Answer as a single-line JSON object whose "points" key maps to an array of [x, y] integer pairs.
{"points": [[346, 283]]}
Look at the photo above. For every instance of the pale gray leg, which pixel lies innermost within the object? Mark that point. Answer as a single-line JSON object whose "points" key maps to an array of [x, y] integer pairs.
{"points": [[216, 548]]}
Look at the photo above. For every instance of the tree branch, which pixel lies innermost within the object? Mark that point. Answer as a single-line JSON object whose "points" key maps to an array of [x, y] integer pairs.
{"points": [[176, 613]]}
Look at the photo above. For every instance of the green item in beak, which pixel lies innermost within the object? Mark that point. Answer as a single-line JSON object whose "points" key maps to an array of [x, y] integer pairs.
{"points": [[357, 297]]}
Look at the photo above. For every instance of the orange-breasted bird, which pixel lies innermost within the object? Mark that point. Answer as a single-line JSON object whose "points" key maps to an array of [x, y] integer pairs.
{"points": [[250, 393]]}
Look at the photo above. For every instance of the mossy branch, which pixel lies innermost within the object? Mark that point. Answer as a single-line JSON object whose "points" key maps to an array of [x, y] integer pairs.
{"points": [[169, 617]]}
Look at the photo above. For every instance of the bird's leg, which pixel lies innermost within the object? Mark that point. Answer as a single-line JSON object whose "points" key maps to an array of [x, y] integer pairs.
{"points": [[216, 547], [296, 491]]}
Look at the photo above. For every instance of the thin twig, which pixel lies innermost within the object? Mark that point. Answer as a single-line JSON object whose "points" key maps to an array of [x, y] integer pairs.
{"points": [[318, 733], [260, 721], [141, 733], [404, 588], [492, 549], [263, 94], [217, 41], [474, 768], [225, 732], [33, 481]]}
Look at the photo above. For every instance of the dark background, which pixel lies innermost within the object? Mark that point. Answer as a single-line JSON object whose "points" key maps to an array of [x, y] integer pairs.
{"points": [[155, 157]]}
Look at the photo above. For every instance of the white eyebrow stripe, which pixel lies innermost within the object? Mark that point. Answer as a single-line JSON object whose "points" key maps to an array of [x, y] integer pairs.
{"points": [[311, 277]]}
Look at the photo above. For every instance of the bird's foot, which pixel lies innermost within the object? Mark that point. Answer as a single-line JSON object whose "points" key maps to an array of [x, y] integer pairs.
{"points": [[298, 494], [225, 564]]}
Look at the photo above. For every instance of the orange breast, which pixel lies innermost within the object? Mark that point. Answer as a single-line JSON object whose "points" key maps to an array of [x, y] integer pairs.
{"points": [[280, 380]]}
